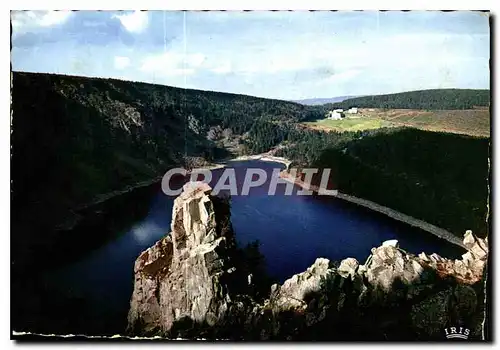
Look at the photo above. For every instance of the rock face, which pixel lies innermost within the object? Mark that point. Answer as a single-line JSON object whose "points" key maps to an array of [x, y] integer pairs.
{"points": [[183, 274], [292, 294], [393, 295]]}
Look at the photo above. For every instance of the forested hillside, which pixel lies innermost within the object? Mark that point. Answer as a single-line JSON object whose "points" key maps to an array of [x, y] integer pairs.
{"points": [[423, 99], [436, 177], [76, 138], [440, 178]]}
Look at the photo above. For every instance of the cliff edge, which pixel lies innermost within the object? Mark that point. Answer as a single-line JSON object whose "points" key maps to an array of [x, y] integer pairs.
{"points": [[191, 284]]}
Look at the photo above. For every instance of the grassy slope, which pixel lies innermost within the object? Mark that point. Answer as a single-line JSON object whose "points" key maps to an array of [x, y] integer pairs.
{"points": [[348, 124], [462, 111], [474, 122]]}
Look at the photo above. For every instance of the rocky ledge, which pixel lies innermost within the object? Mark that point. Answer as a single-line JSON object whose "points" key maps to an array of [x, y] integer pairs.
{"points": [[192, 283]]}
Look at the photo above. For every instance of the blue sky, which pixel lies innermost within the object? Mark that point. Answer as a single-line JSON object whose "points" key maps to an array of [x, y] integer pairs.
{"points": [[285, 55]]}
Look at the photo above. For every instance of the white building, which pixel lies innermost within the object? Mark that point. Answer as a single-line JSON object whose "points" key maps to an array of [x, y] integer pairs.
{"points": [[353, 110], [335, 114]]}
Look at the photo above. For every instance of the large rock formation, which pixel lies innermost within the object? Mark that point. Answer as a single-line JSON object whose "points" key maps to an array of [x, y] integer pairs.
{"points": [[183, 275], [189, 285]]}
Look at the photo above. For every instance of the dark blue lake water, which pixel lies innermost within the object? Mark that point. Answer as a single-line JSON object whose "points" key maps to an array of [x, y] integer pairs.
{"points": [[292, 230]]}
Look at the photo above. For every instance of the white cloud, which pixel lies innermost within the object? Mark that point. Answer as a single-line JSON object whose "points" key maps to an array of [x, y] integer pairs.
{"points": [[345, 60], [54, 17], [134, 22], [344, 76], [195, 60], [121, 62], [313, 55], [29, 19], [333, 54], [275, 62], [224, 68], [172, 63]]}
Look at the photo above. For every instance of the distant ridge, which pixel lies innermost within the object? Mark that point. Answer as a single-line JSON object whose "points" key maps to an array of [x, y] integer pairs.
{"points": [[322, 101]]}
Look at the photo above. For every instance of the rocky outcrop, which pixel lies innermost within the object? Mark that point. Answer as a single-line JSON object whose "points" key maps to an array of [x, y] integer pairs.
{"points": [[190, 275], [393, 295], [183, 275], [292, 294], [470, 268]]}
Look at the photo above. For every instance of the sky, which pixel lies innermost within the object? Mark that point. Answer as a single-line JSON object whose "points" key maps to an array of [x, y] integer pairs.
{"points": [[287, 55]]}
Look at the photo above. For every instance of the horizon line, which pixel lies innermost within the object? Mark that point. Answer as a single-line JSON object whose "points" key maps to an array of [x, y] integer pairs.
{"points": [[242, 94]]}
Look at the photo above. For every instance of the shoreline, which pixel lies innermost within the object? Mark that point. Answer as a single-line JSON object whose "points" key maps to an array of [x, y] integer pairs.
{"points": [[393, 214], [263, 157], [407, 219], [157, 179], [74, 216]]}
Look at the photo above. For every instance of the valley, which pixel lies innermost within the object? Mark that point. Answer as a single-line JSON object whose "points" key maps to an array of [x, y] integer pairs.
{"points": [[88, 156]]}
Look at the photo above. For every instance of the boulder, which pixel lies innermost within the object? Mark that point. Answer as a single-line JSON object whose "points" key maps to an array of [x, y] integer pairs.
{"points": [[422, 256], [388, 265], [292, 294], [391, 243], [469, 239], [348, 267]]}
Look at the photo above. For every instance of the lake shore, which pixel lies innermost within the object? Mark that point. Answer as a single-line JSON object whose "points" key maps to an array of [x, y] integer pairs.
{"points": [[262, 157], [74, 217], [394, 214]]}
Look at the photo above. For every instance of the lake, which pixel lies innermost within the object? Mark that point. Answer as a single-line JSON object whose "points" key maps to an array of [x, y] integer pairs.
{"points": [[91, 295]]}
